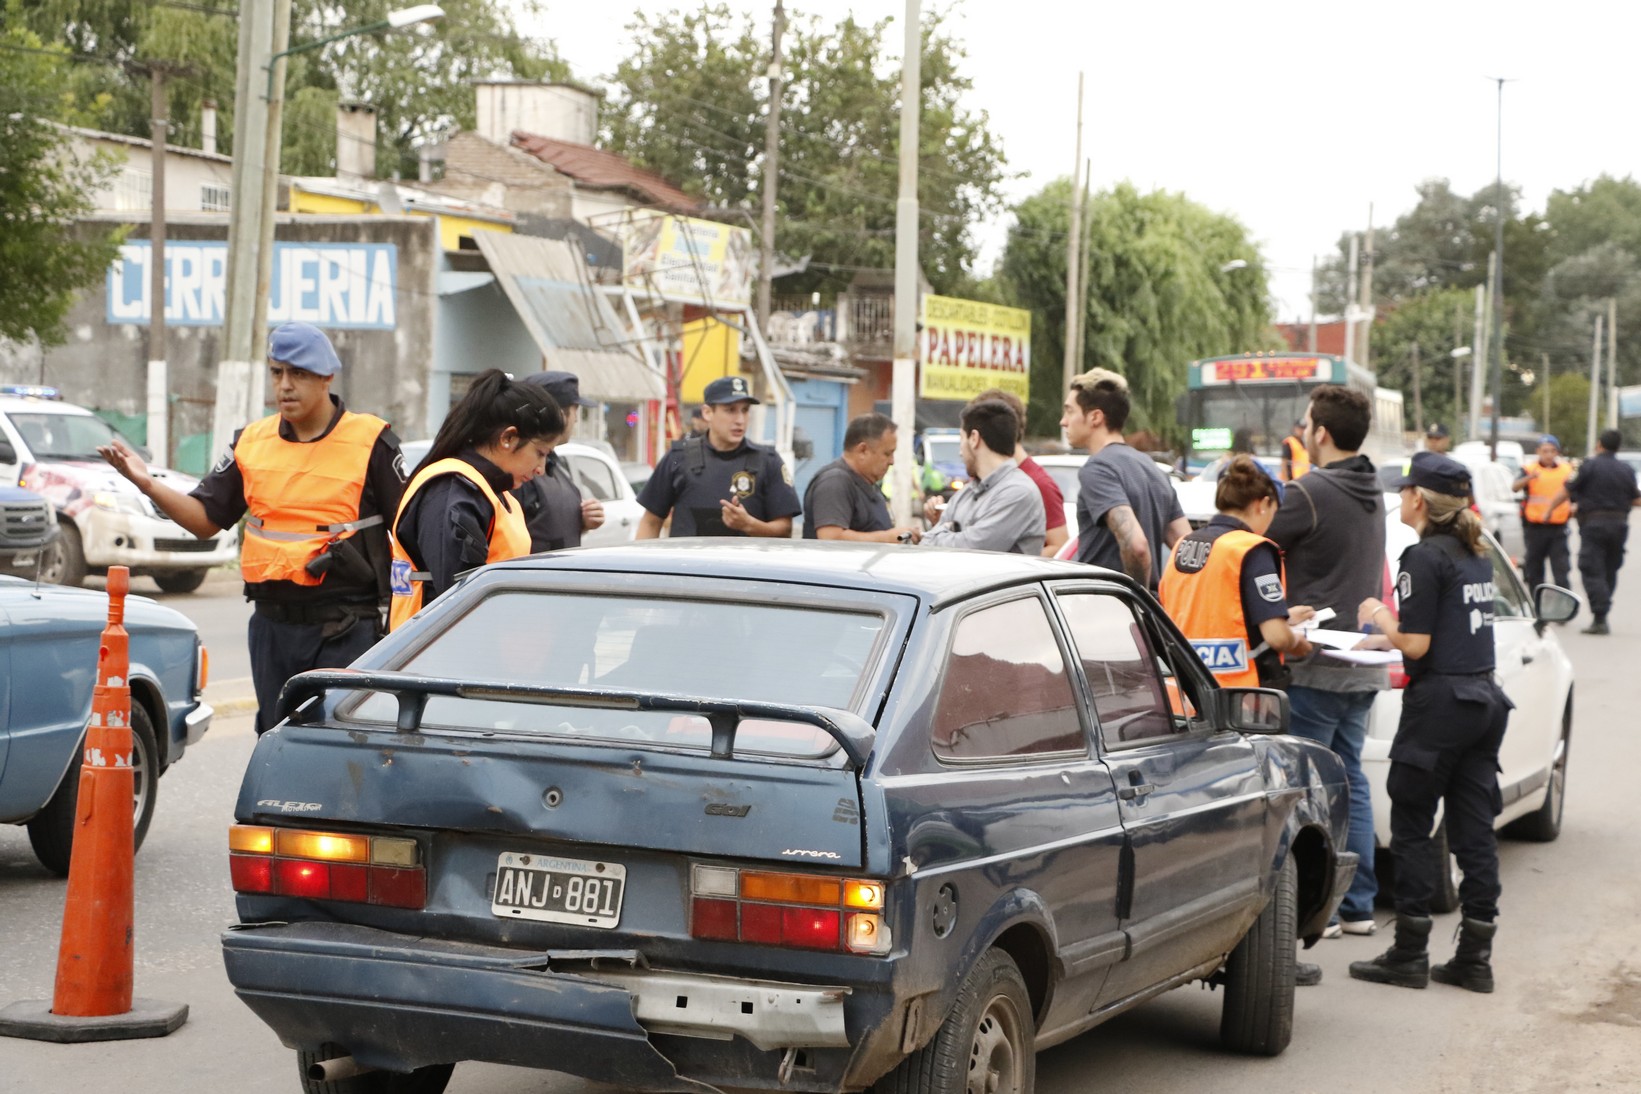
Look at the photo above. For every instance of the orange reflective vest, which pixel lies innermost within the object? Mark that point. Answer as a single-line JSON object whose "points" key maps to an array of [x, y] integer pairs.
{"points": [[301, 495], [508, 534], [1207, 605], [1545, 484], [1298, 458]]}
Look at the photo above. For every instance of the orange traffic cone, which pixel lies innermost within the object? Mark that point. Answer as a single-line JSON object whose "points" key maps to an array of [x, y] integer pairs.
{"points": [[93, 999]]}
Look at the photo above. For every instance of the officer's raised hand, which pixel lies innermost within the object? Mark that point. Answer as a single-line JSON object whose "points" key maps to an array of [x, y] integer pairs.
{"points": [[124, 460], [592, 514]]}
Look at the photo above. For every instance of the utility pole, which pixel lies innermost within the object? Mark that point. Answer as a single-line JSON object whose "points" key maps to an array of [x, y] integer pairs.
{"points": [[1312, 341], [159, 385], [1418, 400], [1458, 366], [1478, 363], [1366, 302], [1595, 388], [906, 220], [1495, 346], [1498, 282], [270, 199], [1082, 273], [1350, 296], [771, 173], [1544, 370], [1612, 362], [1073, 254]]}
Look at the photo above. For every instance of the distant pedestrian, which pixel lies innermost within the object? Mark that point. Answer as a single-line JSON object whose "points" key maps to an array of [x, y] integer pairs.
{"points": [[844, 500], [1604, 491], [698, 420], [554, 510], [1000, 509], [1128, 516], [1545, 525], [316, 484], [1437, 439], [1054, 502], [1296, 461], [718, 483]]}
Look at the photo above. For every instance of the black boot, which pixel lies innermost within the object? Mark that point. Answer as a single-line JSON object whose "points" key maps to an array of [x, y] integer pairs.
{"points": [[1406, 964], [1472, 964]]}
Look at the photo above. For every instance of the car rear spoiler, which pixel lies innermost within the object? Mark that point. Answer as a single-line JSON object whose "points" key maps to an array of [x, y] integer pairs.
{"points": [[852, 733]]}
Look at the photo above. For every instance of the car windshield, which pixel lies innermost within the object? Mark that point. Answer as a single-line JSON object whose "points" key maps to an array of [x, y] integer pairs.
{"points": [[944, 448], [57, 436], [713, 649]]}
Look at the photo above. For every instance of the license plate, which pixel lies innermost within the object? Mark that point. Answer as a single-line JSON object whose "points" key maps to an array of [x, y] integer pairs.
{"points": [[558, 890]]}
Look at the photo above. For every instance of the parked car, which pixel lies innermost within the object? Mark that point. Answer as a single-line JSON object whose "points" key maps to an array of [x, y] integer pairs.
{"points": [[776, 816], [1063, 469], [27, 527], [598, 475], [50, 447], [49, 638], [1511, 454], [1496, 498]]}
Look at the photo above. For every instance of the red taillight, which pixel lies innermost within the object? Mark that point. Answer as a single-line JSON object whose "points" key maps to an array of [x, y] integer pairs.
{"points": [[251, 873], [398, 888], [293, 877], [713, 919], [327, 866], [811, 928], [803, 911]]}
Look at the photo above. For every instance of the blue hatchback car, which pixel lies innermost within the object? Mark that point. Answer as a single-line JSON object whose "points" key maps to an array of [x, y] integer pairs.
{"points": [[699, 814]]}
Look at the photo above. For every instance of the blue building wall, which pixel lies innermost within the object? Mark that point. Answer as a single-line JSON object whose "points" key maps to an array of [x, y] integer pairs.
{"points": [[823, 415]]}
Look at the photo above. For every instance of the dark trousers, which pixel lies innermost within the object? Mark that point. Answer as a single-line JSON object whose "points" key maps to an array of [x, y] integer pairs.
{"points": [[1546, 542], [1447, 752], [1600, 554], [281, 650]]}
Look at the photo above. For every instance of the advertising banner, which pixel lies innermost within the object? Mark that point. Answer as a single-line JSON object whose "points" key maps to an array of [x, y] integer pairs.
{"points": [[339, 286], [689, 261], [966, 347]]}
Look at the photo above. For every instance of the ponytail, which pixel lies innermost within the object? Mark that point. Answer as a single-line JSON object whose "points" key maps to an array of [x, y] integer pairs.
{"points": [[493, 403], [1446, 515]]}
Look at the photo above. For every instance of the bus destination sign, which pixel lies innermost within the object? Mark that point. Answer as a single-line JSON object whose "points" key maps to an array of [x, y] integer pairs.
{"points": [[1256, 369]]}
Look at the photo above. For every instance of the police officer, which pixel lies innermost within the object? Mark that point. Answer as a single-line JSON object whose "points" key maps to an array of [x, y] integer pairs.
{"points": [[315, 483], [1544, 525], [718, 483], [1604, 490], [1296, 458], [1454, 713], [554, 509], [1437, 439]]}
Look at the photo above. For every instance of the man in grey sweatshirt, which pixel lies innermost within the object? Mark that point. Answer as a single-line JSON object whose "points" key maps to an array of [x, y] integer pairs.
{"points": [[1331, 529]]}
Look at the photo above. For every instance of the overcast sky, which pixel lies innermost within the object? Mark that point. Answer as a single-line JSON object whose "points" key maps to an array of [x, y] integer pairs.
{"points": [[1290, 116]]}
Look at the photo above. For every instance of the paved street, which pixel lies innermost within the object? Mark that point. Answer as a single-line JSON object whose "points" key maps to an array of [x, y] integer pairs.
{"points": [[1565, 1017]]}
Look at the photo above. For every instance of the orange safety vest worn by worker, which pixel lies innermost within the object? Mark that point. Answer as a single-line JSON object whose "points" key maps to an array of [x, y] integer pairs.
{"points": [[300, 496], [1545, 483], [508, 534], [1297, 456], [1207, 605]]}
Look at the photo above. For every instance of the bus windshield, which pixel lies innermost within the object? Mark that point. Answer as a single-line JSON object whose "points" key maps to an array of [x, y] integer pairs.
{"points": [[1246, 417]]}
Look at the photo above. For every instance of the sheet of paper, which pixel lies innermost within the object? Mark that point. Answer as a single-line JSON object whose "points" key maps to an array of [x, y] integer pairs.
{"points": [[1365, 657], [1326, 615], [1340, 640]]}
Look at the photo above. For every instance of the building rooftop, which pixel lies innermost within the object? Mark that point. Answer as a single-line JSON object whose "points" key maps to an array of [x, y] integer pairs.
{"points": [[597, 169]]}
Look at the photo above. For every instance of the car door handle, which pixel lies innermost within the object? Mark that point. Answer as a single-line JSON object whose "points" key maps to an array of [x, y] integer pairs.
{"points": [[1135, 792]]}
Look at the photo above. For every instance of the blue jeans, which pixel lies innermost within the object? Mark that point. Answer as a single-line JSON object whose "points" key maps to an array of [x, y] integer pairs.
{"points": [[1339, 720]]}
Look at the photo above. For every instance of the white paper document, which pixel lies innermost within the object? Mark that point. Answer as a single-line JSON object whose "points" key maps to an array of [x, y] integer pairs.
{"points": [[1366, 657]]}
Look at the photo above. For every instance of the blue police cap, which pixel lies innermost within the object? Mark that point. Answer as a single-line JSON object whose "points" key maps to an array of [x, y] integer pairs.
{"points": [[303, 346], [1551, 439], [564, 387], [1437, 472], [728, 389]]}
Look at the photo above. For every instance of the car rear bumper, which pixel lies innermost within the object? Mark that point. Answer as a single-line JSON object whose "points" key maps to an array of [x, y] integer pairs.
{"points": [[400, 1002]]}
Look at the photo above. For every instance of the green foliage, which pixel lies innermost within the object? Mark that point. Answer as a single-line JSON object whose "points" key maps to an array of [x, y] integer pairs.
{"points": [[1569, 410], [690, 105], [1158, 296], [1437, 321], [43, 190]]}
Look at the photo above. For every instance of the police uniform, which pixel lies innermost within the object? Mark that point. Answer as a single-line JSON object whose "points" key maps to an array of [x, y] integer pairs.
{"points": [[693, 478], [1221, 582], [551, 502], [314, 557], [1545, 526], [1604, 489]]}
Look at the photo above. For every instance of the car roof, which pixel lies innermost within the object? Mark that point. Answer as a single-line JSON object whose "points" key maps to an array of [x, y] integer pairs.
{"points": [[934, 574], [14, 404]]}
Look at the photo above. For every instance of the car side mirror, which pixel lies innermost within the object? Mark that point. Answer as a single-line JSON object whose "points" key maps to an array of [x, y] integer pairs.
{"points": [[8, 454], [1553, 604], [1253, 710]]}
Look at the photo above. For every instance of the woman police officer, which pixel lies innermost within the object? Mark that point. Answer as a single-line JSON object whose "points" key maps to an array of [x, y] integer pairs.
{"points": [[1453, 719], [456, 513], [1223, 584]]}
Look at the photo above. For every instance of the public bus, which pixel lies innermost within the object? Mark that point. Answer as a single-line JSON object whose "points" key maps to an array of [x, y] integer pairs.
{"points": [[1250, 401]]}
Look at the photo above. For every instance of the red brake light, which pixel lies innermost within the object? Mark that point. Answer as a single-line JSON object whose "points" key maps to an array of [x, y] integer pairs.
{"points": [[294, 877], [810, 928], [251, 873], [803, 911], [398, 888], [713, 919], [327, 866]]}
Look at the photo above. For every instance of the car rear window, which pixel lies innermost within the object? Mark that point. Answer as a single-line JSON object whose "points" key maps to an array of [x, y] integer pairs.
{"points": [[714, 649]]}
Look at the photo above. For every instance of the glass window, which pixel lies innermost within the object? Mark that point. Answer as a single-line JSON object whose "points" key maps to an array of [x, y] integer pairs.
{"points": [[1005, 691], [52, 436], [594, 477], [1510, 600], [1123, 678]]}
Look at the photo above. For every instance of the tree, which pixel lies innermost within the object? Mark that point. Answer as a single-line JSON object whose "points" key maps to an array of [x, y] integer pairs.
{"points": [[1438, 321], [44, 189], [1158, 294]]}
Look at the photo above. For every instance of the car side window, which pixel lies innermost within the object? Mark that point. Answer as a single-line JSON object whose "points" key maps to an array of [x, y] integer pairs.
{"points": [[594, 476], [1005, 691], [1131, 697], [1510, 600]]}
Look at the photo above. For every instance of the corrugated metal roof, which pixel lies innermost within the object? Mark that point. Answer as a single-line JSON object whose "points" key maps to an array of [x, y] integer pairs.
{"points": [[597, 168], [572, 323]]}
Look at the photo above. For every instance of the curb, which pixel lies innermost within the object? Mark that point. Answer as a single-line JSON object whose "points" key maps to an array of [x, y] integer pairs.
{"points": [[230, 697]]}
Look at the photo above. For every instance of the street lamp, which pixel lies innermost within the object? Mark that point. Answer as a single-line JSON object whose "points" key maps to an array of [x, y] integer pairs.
{"points": [[396, 20], [1234, 264]]}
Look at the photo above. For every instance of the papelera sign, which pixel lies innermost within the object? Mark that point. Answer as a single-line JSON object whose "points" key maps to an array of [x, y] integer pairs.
{"points": [[967, 346]]}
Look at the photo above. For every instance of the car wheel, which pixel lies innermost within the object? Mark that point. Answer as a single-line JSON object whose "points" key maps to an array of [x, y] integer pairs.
{"points": [[180, 581], [424, 1080], [1447, 878], [62, 562], [51, 832], [1544, 825], [1258, 1013], [985, 1043]]}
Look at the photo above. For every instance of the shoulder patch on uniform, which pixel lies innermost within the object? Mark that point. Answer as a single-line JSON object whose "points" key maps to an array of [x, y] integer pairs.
{"points": [[1269, 586], [786, 473], [224, 463], [1404, 585]]}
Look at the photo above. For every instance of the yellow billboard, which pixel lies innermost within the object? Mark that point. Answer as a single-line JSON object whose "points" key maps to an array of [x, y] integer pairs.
{"points": [[689, 261], [966, 347]]}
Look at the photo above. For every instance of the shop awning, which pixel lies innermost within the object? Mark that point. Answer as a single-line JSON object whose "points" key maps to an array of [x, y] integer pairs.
{"points": [[571, 322]]}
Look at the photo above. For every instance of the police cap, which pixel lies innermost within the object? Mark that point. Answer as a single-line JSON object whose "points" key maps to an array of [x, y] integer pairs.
{"points": [[1436, 431], [303, 346], [564, 387], [728, 389], [1433, 471]]}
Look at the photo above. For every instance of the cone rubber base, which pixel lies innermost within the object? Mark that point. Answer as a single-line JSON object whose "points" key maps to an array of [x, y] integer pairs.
{"points": [[32, 1019]]}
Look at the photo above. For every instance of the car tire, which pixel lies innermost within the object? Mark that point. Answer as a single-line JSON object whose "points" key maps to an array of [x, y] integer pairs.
{"points": [[51, 831], [1446, 898], [180, 581], [62, 561], [1258, 1011], [990, 1030], [424, 1080], [1544, 824]]}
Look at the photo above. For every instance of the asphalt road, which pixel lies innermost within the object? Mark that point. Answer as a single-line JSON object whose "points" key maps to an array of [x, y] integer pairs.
{"points": [[1566, 1016]]}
